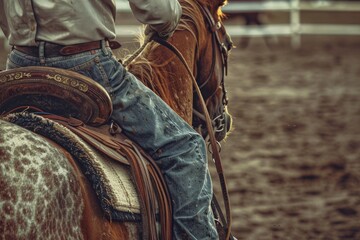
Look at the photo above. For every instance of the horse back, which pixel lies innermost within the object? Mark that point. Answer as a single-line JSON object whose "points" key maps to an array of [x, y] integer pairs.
{"points": [[44, 194]]}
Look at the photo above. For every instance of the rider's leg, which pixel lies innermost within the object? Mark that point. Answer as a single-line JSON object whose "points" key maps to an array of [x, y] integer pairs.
{"points": [[178, 150]]}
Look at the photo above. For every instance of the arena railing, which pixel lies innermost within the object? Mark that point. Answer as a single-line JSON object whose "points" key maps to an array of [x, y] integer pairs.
{"points": [[294, 28]]}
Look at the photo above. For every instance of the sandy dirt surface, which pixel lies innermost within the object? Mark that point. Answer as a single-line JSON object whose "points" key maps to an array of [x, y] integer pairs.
{"points": [[293, 160]]}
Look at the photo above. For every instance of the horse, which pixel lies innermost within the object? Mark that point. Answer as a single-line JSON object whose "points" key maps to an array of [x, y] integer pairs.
{"points": [[162, 71], [44, 193]]}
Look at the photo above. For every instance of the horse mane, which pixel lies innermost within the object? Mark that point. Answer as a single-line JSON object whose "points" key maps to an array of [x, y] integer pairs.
{"points": [[217, 5], [150, 66]]}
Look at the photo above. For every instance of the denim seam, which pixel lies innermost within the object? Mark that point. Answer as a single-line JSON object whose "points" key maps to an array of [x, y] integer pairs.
{"points": [[14, 65]]}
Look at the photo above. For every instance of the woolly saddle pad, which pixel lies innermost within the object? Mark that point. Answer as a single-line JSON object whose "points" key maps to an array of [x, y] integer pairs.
{"points": [[111, 180]]}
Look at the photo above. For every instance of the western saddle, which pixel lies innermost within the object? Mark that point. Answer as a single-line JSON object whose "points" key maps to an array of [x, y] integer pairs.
{"points": [[83, 106]]}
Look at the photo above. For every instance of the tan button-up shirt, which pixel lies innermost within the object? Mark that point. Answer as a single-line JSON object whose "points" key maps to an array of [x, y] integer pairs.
{"points": [[66, 22]]}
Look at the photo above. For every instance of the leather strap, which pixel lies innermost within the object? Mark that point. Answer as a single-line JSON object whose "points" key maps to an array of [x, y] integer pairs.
{"points": [[52, 49], [148, 177], [213, 143], [84, 47]]}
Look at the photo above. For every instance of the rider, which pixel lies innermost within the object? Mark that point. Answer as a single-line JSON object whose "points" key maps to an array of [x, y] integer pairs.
{"points": [[38, 29]]}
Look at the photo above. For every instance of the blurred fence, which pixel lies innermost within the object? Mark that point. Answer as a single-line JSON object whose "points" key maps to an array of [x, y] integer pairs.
{"points": [[293, 29]]}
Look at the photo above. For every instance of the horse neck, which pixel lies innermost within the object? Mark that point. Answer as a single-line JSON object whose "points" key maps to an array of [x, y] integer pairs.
{"points": [[208, 61], [160, 70]]}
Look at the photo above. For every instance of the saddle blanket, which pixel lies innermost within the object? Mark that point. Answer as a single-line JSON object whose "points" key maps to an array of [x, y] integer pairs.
{"points": [[111, 180]]}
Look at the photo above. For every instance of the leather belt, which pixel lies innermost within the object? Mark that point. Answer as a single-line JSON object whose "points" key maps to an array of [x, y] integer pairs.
{"points": [[53, 50]]}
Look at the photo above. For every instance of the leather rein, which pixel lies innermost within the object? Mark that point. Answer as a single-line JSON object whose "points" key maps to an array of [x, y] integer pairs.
{"points": [[224, 48]]}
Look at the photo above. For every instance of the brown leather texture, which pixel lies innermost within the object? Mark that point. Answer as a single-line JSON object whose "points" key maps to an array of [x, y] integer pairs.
{"points": [[147, 176], [53, 50], [56, 91]]}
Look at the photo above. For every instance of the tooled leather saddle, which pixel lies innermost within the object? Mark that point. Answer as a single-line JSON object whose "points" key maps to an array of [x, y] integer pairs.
{"points": [[58, 91], [84, 107]]}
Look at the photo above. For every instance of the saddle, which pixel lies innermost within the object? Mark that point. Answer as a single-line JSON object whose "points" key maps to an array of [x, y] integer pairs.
{"points": [[56, 94], [55, 90]]}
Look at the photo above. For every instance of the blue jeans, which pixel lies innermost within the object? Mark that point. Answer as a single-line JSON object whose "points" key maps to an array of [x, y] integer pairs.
{"points": [[178, 150]]}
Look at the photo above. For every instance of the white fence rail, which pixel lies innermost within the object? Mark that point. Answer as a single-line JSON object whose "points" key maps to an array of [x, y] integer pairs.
{"points": [[295, 28]]}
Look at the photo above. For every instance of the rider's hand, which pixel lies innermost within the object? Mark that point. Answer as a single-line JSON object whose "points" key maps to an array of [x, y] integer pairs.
{"points": [[150, 33]]}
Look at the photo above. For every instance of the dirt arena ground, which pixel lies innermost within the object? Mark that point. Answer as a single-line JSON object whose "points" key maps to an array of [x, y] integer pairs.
{"points": [[292, 161]]}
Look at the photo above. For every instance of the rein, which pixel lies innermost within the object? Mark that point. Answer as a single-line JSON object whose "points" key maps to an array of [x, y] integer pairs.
{"points": [[224, 46], [213, 142], [224, 49]]}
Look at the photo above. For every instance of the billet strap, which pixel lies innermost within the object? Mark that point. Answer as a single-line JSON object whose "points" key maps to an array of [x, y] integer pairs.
{"points": [[148, 177], [213, 143]]}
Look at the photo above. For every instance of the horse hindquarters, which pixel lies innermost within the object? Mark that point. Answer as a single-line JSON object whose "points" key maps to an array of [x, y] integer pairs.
{"points": [[40, 195], [43, 196]]}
